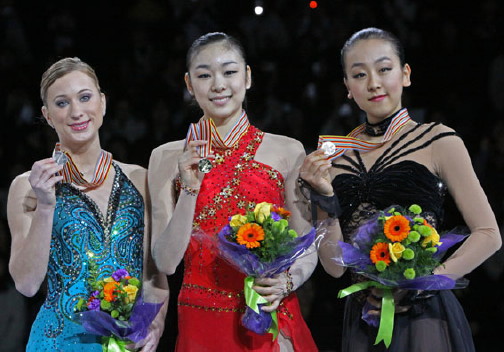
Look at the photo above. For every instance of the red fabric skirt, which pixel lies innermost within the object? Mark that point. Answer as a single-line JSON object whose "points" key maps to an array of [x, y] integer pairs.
{"points": [[218, 327]]}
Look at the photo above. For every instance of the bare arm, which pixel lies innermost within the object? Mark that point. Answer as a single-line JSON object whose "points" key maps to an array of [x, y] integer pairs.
{"points": [[453, 163], [276, 288], [155, 283], [30, 210], [172, 218], [303, 267], [315, 171]]}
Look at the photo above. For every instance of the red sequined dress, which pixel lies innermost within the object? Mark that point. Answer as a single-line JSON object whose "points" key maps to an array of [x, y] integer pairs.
{"points": [[211, 302]]}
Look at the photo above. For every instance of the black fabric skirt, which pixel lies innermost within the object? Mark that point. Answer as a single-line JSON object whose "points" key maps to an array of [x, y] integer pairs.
{"points": [[434, 324]]}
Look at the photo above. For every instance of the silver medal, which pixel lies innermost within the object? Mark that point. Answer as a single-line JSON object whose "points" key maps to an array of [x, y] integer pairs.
{"points": [[205, 165], [60, 158], [328, 147]]}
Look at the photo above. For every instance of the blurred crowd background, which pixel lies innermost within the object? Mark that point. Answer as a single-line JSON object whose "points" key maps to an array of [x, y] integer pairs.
{"points": [[138, 47]]}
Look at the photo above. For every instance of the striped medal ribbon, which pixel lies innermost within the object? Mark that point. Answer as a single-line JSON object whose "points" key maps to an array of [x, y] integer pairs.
{"points": [[335, 146], [71, 173], [205, 129]]}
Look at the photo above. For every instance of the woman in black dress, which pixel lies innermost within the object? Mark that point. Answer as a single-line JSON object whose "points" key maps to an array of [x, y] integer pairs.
{"points": [[393, 160]]}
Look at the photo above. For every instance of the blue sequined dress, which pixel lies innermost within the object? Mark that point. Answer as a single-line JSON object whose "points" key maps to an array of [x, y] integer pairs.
{"points": [[80, 231]]}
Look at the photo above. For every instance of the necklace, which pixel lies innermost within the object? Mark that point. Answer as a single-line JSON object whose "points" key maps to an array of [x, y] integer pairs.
{"points": [[378, 129]]}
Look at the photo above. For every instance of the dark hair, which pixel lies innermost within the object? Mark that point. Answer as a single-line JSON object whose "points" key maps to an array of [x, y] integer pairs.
{"points": [[210, 38], [61, 68], [373, 33]]}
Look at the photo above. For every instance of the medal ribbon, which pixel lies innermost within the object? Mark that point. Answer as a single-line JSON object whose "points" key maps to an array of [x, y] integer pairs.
{"points": [[344, 143], [205, 129], [71, 173]]}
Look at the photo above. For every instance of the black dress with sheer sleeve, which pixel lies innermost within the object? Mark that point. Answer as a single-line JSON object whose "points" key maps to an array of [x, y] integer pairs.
{"points": [[401, 172]]}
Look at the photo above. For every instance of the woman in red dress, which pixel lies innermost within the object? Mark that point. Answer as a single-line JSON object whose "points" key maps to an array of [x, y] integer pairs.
{"points": [[190, 207]]}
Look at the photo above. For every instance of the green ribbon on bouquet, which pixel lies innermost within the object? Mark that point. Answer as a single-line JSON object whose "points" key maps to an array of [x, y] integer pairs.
{"points": [[387, 309], [253, 299], [113, 344]]}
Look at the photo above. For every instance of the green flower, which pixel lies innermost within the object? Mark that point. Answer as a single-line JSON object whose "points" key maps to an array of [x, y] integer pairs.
{"points": [[105, 305], [431, 249], [415, 209], [424, 230], [408, 254], [418, 220], [292, 233], [409, 273], [279, 226], [414, 236], [134, 281], [381, 265], [114, 314]]}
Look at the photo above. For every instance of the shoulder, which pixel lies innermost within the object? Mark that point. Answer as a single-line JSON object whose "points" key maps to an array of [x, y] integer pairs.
{"points": [[20, 182], [435, 128], [136, 173], [284, 144], [21, 193], [174, 147], [131, 170], [163, 164], [164, 152]]}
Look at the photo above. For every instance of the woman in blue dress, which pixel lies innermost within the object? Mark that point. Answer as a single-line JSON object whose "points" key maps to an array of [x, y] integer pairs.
{"points": [[79, 204]]}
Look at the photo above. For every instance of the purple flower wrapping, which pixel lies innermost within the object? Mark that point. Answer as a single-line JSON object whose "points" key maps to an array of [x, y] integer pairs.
{"points": [[248, 263], [356, 256], [135, 329], [258, 323]]}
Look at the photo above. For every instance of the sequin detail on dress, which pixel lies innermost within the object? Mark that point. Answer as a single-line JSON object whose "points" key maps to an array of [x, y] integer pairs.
{"points": [[114, 240], [212, 290]]}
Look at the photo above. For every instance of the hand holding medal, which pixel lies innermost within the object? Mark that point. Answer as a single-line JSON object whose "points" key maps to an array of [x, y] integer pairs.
{"points": [[201, 132]]}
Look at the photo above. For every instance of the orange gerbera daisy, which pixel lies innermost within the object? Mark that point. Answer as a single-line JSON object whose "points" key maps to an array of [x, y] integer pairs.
{"points": [[396, 228], [250, 234], [284, 213], [380, 251], [109, 290]]}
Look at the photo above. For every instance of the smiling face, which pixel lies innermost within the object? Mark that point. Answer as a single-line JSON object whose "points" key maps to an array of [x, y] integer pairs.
{"points": [[75, 108], [218, 78], [375, 77]]}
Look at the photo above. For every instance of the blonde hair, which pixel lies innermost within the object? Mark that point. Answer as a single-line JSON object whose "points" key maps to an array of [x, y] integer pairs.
{"points": [[61, 68]]}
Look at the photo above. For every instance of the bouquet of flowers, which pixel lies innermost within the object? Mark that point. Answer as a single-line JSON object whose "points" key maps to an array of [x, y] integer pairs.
{"points": [[396, 249], [115, 310], [261, 243]]}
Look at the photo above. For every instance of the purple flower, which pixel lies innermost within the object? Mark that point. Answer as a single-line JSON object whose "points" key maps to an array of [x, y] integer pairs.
{"points": [[275, 216], [119, 274], [94, 304], [95, 294]]}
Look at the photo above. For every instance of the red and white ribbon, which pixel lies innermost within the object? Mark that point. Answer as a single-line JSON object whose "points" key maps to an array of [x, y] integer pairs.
{"points": [[206, 130], [71, 173]]}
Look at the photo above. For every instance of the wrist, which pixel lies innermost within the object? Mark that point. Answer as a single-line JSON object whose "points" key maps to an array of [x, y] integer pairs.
{"points": [[289, 285], [188, 190]]}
